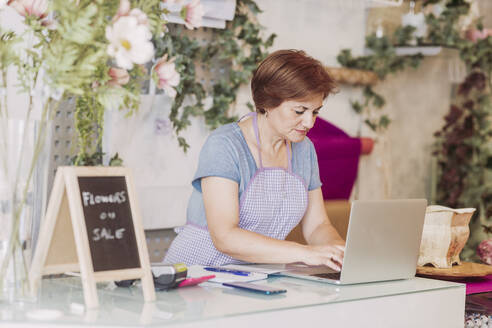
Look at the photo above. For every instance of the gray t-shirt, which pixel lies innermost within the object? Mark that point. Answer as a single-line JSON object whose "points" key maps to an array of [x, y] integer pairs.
{"points": [[226, 154]]}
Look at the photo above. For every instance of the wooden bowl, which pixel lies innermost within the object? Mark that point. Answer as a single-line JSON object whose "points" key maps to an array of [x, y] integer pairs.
{"points": [[464, 270]]}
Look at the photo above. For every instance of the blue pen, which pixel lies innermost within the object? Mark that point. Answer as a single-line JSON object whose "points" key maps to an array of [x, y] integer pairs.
{"points": [[236, 272]]}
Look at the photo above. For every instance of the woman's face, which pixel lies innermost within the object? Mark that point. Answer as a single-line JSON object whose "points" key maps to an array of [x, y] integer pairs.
{"points": [[293, 118]]}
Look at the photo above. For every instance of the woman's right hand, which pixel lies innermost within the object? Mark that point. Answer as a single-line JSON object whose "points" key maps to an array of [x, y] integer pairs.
{"points": [[329, 255]]}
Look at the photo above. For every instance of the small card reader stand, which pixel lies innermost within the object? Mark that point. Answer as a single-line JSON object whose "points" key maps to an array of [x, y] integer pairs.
{"points": [[93, 226]]}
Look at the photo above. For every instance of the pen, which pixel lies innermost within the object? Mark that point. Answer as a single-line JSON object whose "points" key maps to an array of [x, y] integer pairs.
{"points": [[236, 272]]}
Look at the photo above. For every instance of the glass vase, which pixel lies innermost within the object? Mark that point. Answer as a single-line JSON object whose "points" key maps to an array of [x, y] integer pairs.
{"points": [[24, 154]]}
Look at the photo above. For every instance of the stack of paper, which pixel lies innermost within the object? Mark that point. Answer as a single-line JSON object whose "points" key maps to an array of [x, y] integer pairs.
{"points": [[196, 271], [259, 268], [216, 12]]}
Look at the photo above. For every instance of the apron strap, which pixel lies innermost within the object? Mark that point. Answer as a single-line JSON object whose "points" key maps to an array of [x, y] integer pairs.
{"points": [[289, 156], [255, 127], [246, 115]]}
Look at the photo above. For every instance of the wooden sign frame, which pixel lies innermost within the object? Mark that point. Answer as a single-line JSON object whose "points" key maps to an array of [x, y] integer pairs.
{"points": [[63, 243]]}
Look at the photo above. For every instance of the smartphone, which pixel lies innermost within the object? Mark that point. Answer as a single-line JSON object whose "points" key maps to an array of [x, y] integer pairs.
{"points": [[263, 289]]}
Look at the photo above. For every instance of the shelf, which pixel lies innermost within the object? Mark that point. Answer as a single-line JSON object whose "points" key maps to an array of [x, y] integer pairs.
{"points": [[383, 3], [408, 51], [350, 76], [426, 51]]}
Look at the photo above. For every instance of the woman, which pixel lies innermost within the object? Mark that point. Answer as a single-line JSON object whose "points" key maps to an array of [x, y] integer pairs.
{"points": [[258, 178]]}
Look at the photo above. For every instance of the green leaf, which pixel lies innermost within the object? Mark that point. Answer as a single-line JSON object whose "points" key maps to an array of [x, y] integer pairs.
{"points": [[404, 34], [356, 106], [384, 122], [76, 24], [250, 106], [183, 144], [371, 125], [111, 98], [115, 160], [183, 12], [378, 101]]}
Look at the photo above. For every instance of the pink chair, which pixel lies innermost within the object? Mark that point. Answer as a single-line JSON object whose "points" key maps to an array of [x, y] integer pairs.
{"points": [[338, 158]]}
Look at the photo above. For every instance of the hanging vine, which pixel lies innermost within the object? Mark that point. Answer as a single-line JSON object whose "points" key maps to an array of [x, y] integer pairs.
{"points": [[463, 146], [239, 47], [383, 61]]}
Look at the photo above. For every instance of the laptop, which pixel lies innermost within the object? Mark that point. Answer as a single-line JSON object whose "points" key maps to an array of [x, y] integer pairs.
{"points": [[383, 243]]}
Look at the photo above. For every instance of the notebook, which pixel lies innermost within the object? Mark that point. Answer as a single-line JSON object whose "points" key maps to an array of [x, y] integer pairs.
{"points": [[383, 242], [195, 271]]}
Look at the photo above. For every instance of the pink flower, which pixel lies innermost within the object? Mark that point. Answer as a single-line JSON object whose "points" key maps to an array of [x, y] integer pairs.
{"points": [[192, 13], [475, 35], [167, 75], [484, 251], [35, 8], [119, 76], [125, 10]]}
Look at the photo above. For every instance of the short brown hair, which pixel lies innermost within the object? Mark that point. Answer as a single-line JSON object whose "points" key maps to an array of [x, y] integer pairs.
{"points": [[286, 75]]}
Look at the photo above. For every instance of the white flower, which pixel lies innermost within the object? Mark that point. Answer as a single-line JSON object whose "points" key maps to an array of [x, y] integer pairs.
{"points": [[140, 16], [3, 3], [193, 13], [167, 75], [129, 42]]}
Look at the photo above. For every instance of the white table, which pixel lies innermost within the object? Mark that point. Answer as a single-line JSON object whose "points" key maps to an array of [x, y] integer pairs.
{"points": [[412, 303]]}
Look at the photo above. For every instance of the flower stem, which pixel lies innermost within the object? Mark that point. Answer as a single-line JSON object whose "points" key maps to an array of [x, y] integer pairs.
{"points": [[14, 239], [5, 122], [23, 143], [5, 96]]}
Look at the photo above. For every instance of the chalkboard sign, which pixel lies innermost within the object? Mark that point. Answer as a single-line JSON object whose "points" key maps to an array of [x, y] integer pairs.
{"points": [[109, 223], [93, 225]]}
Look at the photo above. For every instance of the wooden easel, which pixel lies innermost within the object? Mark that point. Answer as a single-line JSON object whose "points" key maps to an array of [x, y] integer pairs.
{"points": [[63, 243]]}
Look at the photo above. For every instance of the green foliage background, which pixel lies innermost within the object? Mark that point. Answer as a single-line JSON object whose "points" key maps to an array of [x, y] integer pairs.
{"points": [[239, 47], [463, 147]]}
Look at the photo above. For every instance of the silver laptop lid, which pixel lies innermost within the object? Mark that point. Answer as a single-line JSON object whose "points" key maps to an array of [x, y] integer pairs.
{"points": [[383, 240]]}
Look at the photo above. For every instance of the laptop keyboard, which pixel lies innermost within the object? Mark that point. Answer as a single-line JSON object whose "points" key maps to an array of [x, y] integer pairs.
{"points": [[331, 275]]}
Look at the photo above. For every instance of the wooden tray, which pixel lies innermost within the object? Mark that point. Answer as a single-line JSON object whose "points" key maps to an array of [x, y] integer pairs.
{"points": [[465, 270]]}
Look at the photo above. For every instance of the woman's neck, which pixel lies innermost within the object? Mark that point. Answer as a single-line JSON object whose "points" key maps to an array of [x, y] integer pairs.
{"points": [[271, 142]]}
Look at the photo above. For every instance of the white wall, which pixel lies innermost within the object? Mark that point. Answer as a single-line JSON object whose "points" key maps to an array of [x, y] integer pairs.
{"points": [[397, 168], [416, 101], [162, 171]]}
